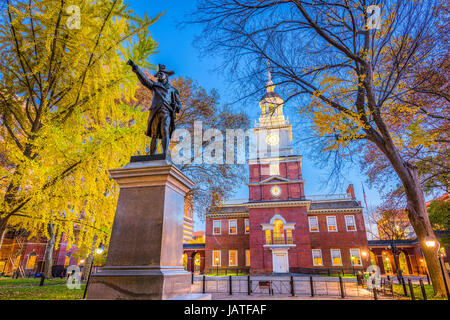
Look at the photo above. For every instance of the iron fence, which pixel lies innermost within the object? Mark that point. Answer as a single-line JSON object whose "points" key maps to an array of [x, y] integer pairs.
{"points": [[299, 286]]}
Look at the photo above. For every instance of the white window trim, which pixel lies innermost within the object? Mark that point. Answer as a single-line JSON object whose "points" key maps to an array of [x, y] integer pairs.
{"points": [[360, 257], [340, 257], [246, 222], [220, 259], [328, 225], [229, 222], [354, 222], [229, 256], [220, 227], [247, 252], [321, 257], [309, 223]]}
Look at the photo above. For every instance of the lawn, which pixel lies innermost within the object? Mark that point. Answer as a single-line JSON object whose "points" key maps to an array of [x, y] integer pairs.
{"points": [[51, 292], [8, 282], [398, 289]]}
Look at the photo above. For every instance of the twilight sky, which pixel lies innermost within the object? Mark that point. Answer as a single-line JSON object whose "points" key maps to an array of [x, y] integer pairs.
{"points": [[177, 52]]}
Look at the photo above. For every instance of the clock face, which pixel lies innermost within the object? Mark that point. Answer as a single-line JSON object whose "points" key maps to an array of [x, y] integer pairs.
{"points": [[272, 139], [275, 191]]}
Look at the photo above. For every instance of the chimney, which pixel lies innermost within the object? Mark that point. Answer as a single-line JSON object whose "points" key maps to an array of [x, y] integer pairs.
{"points": [[351, 191]]}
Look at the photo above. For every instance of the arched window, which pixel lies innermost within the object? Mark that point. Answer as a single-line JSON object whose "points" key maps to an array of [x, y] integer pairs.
{"points": [[31, 263], [387, 262], [66, 261], [278, 233], [403, 265], [373, 260]]}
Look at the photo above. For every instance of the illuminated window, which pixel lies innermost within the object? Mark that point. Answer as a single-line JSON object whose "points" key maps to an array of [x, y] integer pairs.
{"points": [[317, 257], [350, 223], [185, 261], [268, 237], [278, 233], [247, 225], [66, 261], [31, 261], [313, 224], [247, 257], [217, 226], [17, 261], [216, 256], [232, 226], [274, 169], [232, 258], [331, 223], [355, 257], [289, 236], [336, 257]]}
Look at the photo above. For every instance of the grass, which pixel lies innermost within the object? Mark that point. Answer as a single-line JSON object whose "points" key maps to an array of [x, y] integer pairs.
{"points": [[398, 289], [8, 282], [56, 292]]}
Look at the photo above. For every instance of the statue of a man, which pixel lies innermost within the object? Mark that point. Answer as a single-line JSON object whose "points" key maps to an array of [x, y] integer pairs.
{"points": [[165, 103]]}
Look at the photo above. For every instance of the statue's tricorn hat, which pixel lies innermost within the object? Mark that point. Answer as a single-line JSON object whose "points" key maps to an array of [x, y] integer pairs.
{"points": [[162, 68]]}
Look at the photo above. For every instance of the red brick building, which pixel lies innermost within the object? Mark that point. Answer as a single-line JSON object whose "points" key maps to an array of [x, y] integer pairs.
{"points": [[25, 257], [279, 229]]}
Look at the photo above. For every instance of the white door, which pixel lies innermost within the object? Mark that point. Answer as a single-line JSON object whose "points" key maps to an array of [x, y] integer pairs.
{"points": [[280, 262]]}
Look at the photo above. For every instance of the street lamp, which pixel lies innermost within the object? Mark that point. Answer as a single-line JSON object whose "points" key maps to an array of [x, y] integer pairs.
{"points": [[430, 242], [99, 250]]}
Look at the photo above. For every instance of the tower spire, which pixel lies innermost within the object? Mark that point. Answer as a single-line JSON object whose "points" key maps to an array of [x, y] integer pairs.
{"points": [[269, 86]]}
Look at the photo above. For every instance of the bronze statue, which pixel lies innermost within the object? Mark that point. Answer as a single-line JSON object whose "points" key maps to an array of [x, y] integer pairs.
{"points": [[165, 103]]}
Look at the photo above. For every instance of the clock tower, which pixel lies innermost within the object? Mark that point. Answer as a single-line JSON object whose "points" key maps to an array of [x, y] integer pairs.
{"points": [[275, 172], [277, 207]]}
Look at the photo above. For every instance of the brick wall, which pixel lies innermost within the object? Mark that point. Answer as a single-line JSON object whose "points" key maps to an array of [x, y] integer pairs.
{"points": [[225, 242]]}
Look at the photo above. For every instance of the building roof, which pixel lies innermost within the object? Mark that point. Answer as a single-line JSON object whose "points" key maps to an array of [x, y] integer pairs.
{"points": [[193, 246], [386, 243], [198, 234], [340, 204], [231, 209]]}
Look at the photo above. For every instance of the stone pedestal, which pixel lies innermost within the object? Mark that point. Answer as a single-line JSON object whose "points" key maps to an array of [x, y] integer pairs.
{"points": [[145, 253]]}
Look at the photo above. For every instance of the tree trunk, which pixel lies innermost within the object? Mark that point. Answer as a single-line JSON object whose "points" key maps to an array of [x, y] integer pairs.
{"points": [[416, 207], [2, 236], [48, 264], [2, 229], [87, 265], [417, 214]]}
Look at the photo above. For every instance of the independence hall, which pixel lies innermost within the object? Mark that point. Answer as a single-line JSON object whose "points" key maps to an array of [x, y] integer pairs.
{"points": [[279, 229]]}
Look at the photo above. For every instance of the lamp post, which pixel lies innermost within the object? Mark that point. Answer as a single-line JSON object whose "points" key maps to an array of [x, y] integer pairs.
{"points": [[430, 242], [99, 251]]}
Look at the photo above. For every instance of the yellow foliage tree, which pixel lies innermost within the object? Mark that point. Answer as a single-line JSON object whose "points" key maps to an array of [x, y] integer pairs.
{"points": [[62, 72]]}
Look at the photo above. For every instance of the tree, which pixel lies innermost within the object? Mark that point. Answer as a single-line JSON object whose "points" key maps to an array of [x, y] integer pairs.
{"points": [[392, 222], [439, 214], [355, 77], [60, 126]]}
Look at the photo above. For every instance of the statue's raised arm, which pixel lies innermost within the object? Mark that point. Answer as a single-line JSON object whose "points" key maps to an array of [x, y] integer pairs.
{"points": [[141, 75], [165, 104]]}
